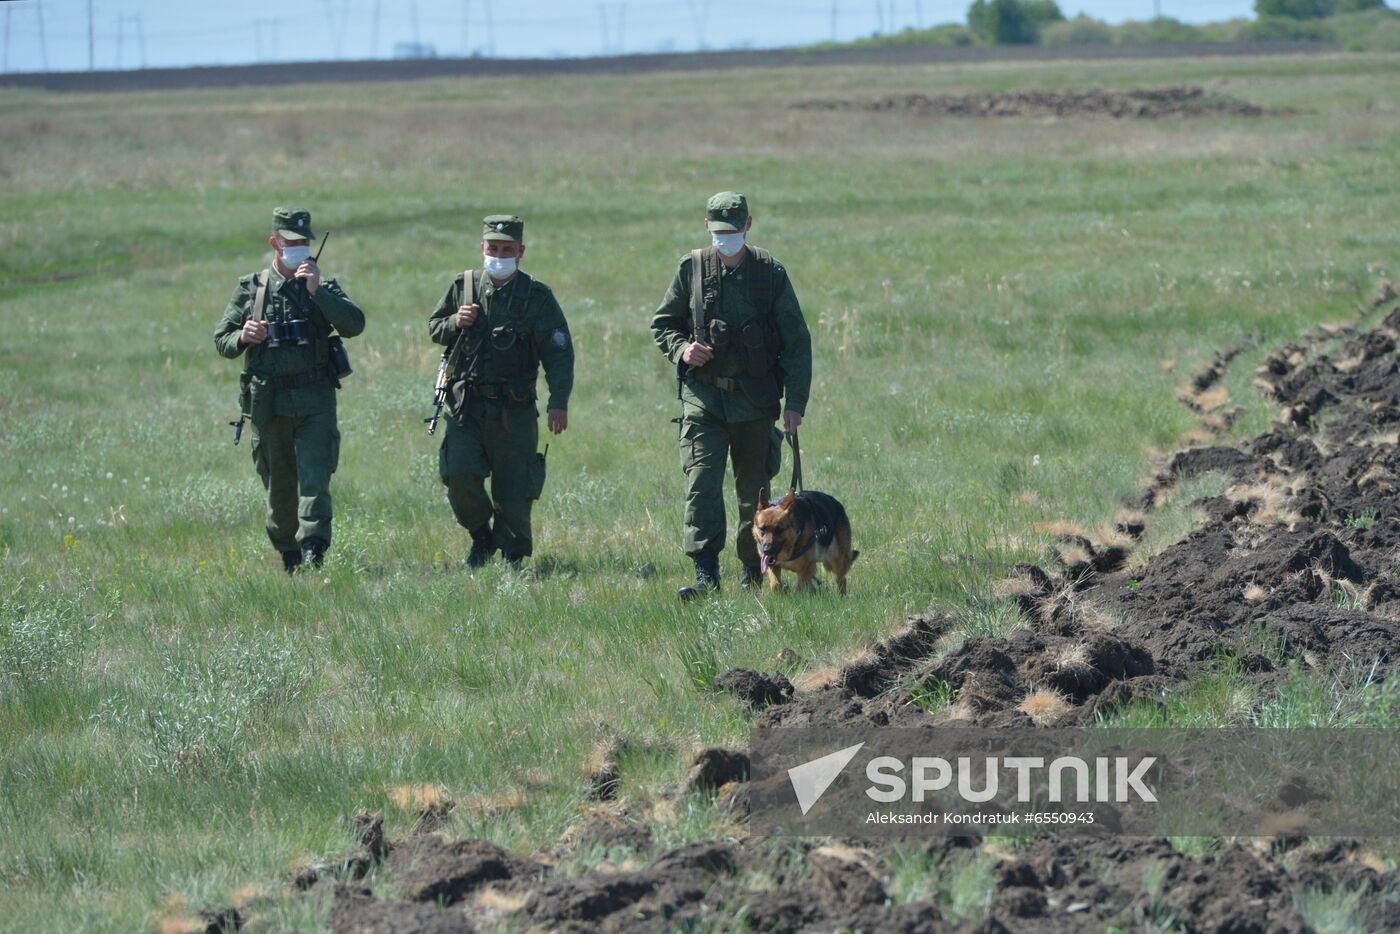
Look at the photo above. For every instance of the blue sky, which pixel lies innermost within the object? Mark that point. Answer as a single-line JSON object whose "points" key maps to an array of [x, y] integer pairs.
{"points": [[180, 32]]}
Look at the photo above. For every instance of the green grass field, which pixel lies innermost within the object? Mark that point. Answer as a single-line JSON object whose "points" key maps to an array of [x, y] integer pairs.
{"points": [[991, 303]]}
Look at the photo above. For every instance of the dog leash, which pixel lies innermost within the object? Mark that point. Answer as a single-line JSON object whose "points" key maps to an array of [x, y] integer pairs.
{"points": [[796, 461]]}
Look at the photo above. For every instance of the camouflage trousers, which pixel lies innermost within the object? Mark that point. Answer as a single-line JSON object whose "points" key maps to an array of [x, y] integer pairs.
{"points": [[755, 450], [499, 442], [295, 457]]}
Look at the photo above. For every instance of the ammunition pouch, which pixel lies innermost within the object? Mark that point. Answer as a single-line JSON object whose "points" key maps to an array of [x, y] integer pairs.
{"points": [[338, 359], [255, 398], [504, 358], [719, 335]]}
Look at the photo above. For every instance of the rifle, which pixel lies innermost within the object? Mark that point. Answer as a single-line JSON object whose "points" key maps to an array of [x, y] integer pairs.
{"points": [[440, 387], [447, 366]]}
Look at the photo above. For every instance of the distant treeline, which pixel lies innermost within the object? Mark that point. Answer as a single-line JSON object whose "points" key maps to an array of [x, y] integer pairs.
{"points": [[1358, 25]]}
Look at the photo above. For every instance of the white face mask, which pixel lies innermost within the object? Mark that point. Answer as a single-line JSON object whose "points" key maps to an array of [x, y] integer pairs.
{"points": [[728, 243], [294, 256], [500, 267]]}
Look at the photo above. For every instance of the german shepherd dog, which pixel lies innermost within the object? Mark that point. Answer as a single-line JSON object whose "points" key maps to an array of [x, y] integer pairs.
{"points": [[799, 532]]}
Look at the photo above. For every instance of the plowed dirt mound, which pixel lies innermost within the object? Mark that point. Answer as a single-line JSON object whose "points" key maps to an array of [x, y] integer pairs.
{"points": [[1296, 561], [1146, 104]]}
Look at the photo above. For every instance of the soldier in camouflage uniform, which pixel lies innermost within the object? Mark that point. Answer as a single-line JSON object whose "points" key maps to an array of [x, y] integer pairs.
{"points": [[731, 323], [500, 325], [288, 384]]}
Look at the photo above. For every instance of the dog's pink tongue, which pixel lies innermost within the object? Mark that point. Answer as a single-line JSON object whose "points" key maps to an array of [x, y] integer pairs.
{"points": [[763, 564]]}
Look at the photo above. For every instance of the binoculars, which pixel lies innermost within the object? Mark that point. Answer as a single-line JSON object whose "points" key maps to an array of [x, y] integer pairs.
{"points": [[287, 332]]}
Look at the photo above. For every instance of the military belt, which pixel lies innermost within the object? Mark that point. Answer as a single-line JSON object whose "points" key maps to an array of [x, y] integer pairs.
{"points": [[488, 391], [322, 374], [719, 382]]}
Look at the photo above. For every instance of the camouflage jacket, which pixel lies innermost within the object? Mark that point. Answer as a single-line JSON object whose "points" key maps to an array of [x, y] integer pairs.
{"points": [[288, 299]]}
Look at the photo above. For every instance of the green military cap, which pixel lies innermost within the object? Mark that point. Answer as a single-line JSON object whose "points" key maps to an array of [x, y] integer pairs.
{"points": [[293, 223], [503, 227], [727, 210]]}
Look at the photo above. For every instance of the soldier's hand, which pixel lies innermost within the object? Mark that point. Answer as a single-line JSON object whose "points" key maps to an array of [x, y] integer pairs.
{"points": [[466, 316], [697, 354], [254, 332], [558, 420], [312, 274], [790, 421]]}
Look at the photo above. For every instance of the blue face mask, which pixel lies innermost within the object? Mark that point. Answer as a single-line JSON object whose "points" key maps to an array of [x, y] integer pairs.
{"points": [[727, 243], [294, 256]]}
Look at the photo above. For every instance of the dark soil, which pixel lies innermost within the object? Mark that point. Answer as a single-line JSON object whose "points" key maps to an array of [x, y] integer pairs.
{"points": [[754, 688], [1145, 104], [1295, 564]]}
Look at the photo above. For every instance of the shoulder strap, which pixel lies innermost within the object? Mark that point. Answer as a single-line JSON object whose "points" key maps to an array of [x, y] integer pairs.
{"points": [[260, 296], [471, 282], [697, 291]]}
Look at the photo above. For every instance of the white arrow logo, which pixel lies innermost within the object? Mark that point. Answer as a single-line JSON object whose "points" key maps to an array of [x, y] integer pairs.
{"points": [[811, 779]]}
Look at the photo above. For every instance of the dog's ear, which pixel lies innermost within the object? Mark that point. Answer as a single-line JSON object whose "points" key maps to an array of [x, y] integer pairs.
{"points": [[763, 499], [787, 501]]}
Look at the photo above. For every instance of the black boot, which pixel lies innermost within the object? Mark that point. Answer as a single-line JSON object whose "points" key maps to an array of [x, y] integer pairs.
{"points": [[750, 576], [706, 578], [291, 561], [483, 547], [313, 552]]}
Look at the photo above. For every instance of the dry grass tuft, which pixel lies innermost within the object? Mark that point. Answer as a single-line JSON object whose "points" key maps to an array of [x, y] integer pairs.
{"points": [[1109, 536], [176, 918], [662, 811], [1061, 528], [604, 757], [817, 679], [506, 801], [1045, 706], [1129, 518], [1268, 500], [846, 854], [1253, 593], [1050, 607], [1076, 556], [1073, 658], [508, 903], [1013, 586], [961, 711], [1212, 399], [535, 778], [417, 797], [1375, 476], [1198, 438], [1094, 618]]}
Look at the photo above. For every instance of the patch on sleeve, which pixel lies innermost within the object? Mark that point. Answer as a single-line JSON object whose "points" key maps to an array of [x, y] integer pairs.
{"points": [[560, 338]]}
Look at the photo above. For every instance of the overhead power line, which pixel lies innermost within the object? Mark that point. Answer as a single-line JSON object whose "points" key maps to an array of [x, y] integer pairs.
{"points": [[43, 43]]}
